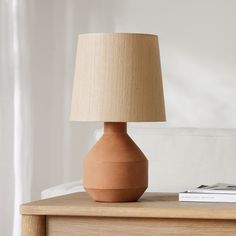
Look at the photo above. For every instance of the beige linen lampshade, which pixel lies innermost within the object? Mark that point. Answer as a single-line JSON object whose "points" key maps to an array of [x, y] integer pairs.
{"points": [[117, 78]]}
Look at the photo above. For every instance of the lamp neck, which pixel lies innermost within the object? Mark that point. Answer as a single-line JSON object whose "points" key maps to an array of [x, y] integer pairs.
{"points": [[115, 127]]}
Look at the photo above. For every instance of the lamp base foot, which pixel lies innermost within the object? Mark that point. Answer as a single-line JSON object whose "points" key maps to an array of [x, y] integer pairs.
{"points": [[116, 195]]}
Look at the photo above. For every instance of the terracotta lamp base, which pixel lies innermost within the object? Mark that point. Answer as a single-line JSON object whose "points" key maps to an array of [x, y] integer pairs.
{"points": [[115, 170]]}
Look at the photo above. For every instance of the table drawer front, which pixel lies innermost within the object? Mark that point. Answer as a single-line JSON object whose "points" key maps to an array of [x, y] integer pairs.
{"points": [[104, 226]]}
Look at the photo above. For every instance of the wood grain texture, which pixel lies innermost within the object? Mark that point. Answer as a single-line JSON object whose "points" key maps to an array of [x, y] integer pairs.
{"points": [[83, 226], [118, 78], [150, 205], [33, 225]]}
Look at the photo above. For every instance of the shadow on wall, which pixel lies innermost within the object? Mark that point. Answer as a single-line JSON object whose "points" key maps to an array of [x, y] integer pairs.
{"points": [[196, 95]]}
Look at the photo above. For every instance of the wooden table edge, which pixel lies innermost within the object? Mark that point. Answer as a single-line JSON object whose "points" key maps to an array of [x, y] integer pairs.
{"points": [[180, 211]]}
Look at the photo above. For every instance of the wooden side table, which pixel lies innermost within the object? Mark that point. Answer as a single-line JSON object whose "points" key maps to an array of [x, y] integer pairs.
{"points": [[155, 214]]}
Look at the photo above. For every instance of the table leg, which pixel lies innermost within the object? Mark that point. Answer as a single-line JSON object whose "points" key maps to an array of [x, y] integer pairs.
{"points": [[33, 225]]}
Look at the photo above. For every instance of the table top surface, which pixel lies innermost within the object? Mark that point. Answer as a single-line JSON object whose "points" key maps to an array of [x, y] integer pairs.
{"points": [[150, 205]]}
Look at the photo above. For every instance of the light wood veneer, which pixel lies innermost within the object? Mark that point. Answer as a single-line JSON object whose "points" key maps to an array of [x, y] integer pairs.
{"points": [[155, 214]]}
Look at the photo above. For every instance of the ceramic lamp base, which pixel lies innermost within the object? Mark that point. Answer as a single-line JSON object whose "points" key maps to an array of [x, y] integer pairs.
{"points": [[115, 169]]}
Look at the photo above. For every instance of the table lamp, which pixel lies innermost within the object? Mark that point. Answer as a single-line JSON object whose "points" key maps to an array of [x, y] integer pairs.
{"points": [[117, 80]]}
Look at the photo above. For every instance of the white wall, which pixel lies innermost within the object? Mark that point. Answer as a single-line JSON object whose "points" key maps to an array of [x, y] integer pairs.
{"points": [[198, 54]]}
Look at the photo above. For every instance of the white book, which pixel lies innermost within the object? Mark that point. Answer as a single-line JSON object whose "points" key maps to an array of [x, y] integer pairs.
{"points": [[206, 197]]}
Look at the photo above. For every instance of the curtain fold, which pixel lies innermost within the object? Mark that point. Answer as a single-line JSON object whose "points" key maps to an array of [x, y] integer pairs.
{"points": [[15, 128]]}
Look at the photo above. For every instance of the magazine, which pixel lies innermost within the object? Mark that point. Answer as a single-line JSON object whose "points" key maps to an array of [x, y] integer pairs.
{"points": [[220, 192]]}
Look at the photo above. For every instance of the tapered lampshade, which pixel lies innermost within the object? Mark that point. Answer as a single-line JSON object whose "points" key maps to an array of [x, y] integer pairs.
{"points": [[117, 78]]}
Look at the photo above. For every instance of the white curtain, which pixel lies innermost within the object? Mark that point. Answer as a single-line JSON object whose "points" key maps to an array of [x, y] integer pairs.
{"points": [[15, 123]]}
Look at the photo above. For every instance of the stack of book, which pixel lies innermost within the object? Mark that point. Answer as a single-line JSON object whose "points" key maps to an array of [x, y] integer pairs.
{"points": [[210, 193]]}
